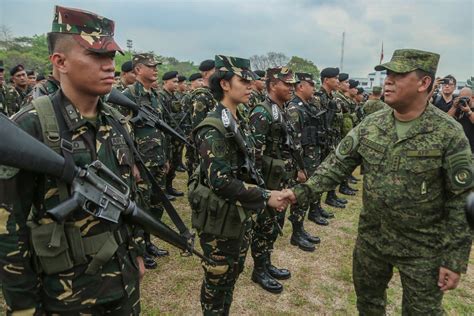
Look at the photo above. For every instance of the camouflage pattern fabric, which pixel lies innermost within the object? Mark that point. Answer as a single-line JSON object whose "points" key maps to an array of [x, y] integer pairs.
{"points": [[415, 189], [220, 161], [348, 108], [28, 195], [256, 97], [40, 89], [372, 106], [407, 60], [120, 86]]}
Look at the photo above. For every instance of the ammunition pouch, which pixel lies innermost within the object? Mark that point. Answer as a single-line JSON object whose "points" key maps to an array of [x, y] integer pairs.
{"points": [[212, 214], [60, 247], [274, 172]]}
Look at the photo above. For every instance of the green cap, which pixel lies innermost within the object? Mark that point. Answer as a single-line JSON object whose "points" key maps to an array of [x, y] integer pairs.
{"points": [[236, 65], [91, 31], [407, 60], [147, 59], [377, 90], [283, 73]]}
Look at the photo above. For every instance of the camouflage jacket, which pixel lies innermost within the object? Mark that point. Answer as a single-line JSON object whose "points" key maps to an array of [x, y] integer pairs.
{"points": [[12, 101], [372, 106], [221, 162], [24, 198], [202, 101], [151, 142], [271, 138], [256, 97], [172, 108], [50, 86], [415, 188], [121, 86]]}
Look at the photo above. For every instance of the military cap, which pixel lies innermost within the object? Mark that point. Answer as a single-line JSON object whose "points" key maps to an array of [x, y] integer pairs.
{"points": [[377, 90], [16, 69], [360, 90], [407, 60], [260, 73], [146, 59], [127, 66], [195, 76], [329, 72], [91, 31], [206, 65], [283, 73], [30, 72], [343, 76], [303, 76], [1, 65], [181, 78], [353, 83], [236, 65], [169, 75]]}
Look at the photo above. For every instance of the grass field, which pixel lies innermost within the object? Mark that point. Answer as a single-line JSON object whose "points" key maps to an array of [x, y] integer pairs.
{"points": [[321, 282]]}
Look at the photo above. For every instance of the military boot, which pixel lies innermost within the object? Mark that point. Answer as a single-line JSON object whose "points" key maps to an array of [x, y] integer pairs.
{"points": [[172, 191], [261, 276], [149, 262], [324, 213], [309, 237], [277, 273], [345, 189], [297, 238], [154, 251], [331, 200], [314, 215]]}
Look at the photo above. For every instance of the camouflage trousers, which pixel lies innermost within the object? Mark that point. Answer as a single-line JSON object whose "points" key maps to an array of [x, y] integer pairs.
{"points": [[266, 233], [217, 288], [175, 154], [126, 306], [372, 272]]}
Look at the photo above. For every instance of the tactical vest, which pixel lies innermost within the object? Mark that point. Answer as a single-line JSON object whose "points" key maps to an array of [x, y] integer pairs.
{"points": [[212, 214], [313, 133], [59, 246]]}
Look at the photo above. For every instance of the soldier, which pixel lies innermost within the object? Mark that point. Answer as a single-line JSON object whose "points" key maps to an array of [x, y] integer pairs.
{"points": [[181, 90], [275, 161], [418, 173], [172, 111], [374, 103], [224, 220], [127, 76], [195, 81], [308, 125], [181, 118], [16, 91], [200, 102], [31, 75], [258, 89], [151, 142], [324, 100], [93, 266]]}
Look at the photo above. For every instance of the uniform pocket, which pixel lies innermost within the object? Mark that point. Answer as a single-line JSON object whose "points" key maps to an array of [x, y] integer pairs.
{"points": [[423, 182]]}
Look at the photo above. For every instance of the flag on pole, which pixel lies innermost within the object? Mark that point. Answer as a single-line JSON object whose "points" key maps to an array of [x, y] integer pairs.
{"points": [[381, 54]]}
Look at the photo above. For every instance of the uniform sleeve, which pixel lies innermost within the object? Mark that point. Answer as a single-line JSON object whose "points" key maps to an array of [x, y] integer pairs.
{"points": [[296, 121], [334, 169], [19, 280], [218, 172], [458, 171], [260, 124], [199, 109]]}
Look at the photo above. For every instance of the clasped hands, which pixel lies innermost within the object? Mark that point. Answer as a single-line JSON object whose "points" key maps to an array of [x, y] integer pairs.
{"points": [[279, 200]]}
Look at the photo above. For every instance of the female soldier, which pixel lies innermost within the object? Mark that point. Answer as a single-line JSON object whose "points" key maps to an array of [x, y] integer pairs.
{"points": [[222, 192]]}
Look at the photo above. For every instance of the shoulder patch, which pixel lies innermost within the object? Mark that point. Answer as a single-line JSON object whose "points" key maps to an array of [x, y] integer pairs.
{"points": [[460, 170], [346, 145], [218, 148]]}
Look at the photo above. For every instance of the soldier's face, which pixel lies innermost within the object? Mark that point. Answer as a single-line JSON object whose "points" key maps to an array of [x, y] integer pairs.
{"points": [[344, 85], [89, 72], [237, 90], [306, 90], [283, 91], [31, 80], [332, 83], [20, 79], [198, 83], [129, 77], [171, 85], [182, 86], [147, 73], [401, 89], [259, 84]]}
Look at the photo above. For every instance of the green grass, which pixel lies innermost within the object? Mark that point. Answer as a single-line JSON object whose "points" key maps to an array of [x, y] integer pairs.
{"points": [[321, 282]]}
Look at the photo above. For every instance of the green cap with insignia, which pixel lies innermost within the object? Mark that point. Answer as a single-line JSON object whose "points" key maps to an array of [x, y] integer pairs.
{"points": [[407, 60], [283, 73], [91, 31], [236, 65], [147, 59]]}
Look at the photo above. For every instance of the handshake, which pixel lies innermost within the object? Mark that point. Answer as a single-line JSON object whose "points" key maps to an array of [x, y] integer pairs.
{"points": [[279, 200]]}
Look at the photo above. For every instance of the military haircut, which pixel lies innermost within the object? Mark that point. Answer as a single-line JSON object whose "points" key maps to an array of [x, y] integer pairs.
{"points": [[421, 73], [269, 81], [215, 83], [59, 43]]}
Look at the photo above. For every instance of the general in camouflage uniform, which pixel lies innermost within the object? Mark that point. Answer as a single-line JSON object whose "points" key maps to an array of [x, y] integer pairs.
{"points": [[374, 104], [274, 159], [223, 199], [201, 101], [150, 141], [418, 173], [172, 111], [86, 265]]}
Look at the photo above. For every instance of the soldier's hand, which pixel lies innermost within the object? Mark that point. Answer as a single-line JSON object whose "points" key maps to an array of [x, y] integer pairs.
{"points": [[301, 177], [141, 267], [277, 201], [289, 195], [448, 279]]}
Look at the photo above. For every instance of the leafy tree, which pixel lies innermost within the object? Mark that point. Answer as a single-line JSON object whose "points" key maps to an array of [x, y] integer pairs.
{"points": [[298, 64]]}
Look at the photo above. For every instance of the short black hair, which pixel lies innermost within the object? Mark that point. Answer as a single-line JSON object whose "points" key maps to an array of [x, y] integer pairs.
{"points": [[55, 41], [451, 77], [421, 73], [268, 81], [215, 83]]}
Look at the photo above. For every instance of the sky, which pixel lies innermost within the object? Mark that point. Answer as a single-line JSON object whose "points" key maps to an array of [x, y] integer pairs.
{"points": [[195, 30]]}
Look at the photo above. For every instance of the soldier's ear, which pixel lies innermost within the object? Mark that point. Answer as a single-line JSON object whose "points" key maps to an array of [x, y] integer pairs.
{"points": [[59, 61], [225, 85], [424, 83]]}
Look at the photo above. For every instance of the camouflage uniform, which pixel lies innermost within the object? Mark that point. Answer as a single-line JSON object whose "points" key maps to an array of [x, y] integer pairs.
{"points": [[256, 97], [225, 229], [121, 86], [50, 86], [415, 188], [347, 107], [372, 106], [12, 101]]}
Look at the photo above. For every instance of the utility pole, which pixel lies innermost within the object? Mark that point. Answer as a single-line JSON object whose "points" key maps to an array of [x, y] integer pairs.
{"points": [[341, 65]]}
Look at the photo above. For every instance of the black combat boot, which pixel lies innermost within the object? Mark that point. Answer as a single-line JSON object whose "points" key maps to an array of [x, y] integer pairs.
{"points": [[314, 215], [345, 189], [309, 237], [149, 262], [277, 273], [172, 191], [297, 238], [323, 212], [154, 251], [331, 200], [261, 276]]}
